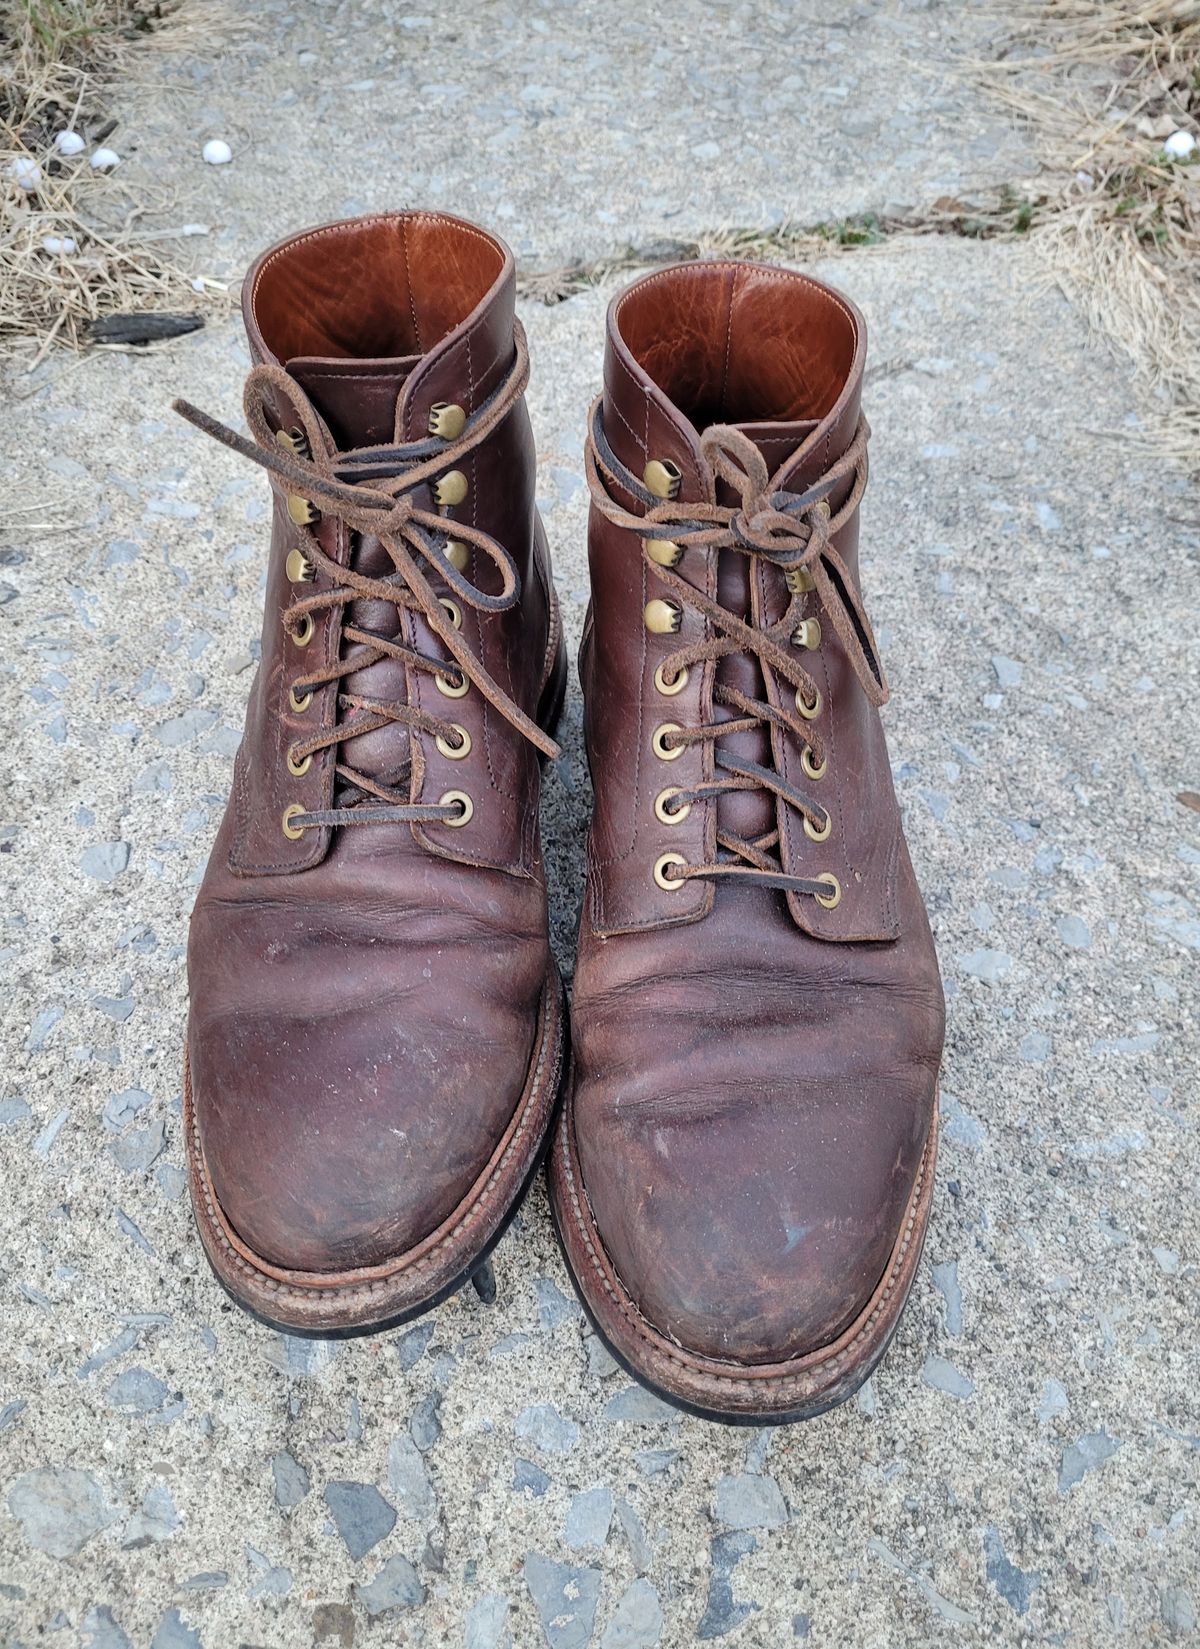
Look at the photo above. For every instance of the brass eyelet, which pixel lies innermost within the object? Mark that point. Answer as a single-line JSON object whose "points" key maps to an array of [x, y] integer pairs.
{"points": [[289, 829], [662, 478], [670, 815], [301, 511], [807, 634], [664, 752], [451, 488], [799, 580], [464, 801], [662, 618], [452, 752], [293, 440], [298, 568], [299, 701], [676, 684], [446, 420], [458, 554], [304, 631], [810, 709], [450, 687], [834, 897], [810, 767], [453, 610], [670, 883], [663, 552], [298, 768], [815, 835]]}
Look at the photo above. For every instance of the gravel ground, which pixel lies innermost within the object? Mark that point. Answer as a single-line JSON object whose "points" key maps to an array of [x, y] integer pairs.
{"points": [[1024, 1467]]}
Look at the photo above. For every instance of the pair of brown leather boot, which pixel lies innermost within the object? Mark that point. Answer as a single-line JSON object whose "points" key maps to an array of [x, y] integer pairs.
{"points": [[743, 1160]]}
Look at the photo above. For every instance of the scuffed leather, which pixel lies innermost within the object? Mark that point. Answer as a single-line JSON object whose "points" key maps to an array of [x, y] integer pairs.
{"points": [[364, 1001], [754, 1076]]}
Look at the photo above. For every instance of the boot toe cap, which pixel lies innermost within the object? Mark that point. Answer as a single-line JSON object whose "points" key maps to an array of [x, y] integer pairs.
{"points": [[759, 1233]]}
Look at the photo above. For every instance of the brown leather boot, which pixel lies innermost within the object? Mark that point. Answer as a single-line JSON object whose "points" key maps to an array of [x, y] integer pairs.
{"points": [[376, 1025], [742, 1173]]}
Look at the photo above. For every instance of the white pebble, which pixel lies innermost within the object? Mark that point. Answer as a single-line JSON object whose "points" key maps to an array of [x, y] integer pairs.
{"points": [[69, 143], [1180, 145], [105, 159], [217, 153], [25, 173], [59, 245]]}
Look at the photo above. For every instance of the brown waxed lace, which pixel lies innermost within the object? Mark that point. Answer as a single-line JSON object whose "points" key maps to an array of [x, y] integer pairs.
{"points": [[788, 531], [369, 490]]}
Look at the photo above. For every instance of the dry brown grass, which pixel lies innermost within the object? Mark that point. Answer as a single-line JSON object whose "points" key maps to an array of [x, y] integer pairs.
{"points": [[1101, 84], [56, 59]]}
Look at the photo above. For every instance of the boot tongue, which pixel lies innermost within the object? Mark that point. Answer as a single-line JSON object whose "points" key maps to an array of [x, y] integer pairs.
{"points": [[749, 813], [356, 398]]}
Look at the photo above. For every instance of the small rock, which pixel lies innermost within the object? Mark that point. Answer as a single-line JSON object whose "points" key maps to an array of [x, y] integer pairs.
{"points": [[943, 1376], [123, 1107], [989, 965], [1035, 1047], [945, 1276], [137, 1152], [396, 1586], [542, 1425], [600, 1361], [292, 1482], [69, 143], [103, 161], [25, 173], [565, 1599], [175, 1633], [1054, 1401], [100, 1631], [105, 861], [408, 1479], [1179, 145], [639, 1405], [721, 1613], [1074, 931], [554, 1308], [425, 1427], [216, 152], [13, 1111], [1085, 1455], [589, 1517], [1008, 671], [485, 1622], [410, 1347], [361, 1515], [528, 1476], [1178, 1610], [1167, 1260], [137, 1391], [1016, 1586], [748, 1502], [157, 1520], [60, 1509], [637, 1620]]}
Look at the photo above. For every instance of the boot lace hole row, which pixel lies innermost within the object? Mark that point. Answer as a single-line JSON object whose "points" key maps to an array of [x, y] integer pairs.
{"points": [[299, 701], [452, 684], [664, 751], [289, 829], [304, 631], [298, 767], [810, 709]]}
